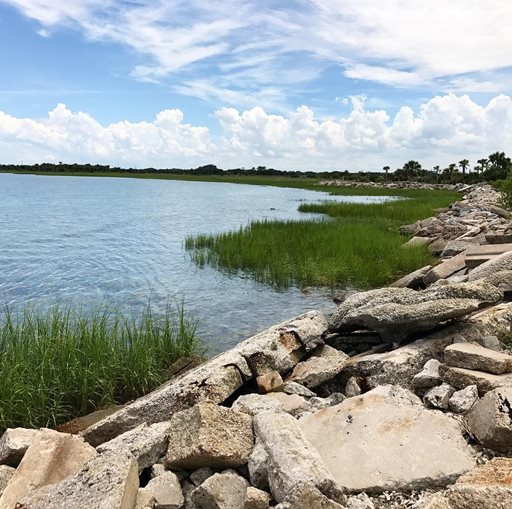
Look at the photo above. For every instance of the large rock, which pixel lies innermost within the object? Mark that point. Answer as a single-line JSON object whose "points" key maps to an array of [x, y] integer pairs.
{"points": [[307, 496], [461, 378], [400, 439], [251, 404], [489, 486], [471, 356], [108, 481], [164, 490], [278, 348], [14, 443], [496, 264], [292, 460], [490, 419], [147, 444], [221, 491], [208, 435], [51, 457]]}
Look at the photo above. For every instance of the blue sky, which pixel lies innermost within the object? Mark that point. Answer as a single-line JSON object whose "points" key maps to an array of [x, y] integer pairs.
{"points": [[306, 84]]}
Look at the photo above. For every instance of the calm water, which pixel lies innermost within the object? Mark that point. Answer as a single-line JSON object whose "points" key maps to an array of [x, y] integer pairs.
{"points": [[87, 241]]}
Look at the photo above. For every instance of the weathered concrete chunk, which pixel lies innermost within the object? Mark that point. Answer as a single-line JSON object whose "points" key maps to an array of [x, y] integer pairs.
{"points": [[14, 443], [489, 486], [6, 473], [446, 268], [316, 370], [490, 419], [165, 490], [461, 378], [51, 457], [429, 376], [471, 356], [251, 404], [296, 388], [462, 401], [292, 460], [108, 481], [307, 496], [413, 280], [256, 499], [496, 264], [405, 455], [476, 255], [271, 381], [147, 444], [208, 435], [438, 397], [221, 491], [501, 280]]}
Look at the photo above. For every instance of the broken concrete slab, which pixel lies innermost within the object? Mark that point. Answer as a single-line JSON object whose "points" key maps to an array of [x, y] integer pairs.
{"points": [[406, 454], [208, 435], [14, 443], [317, 370], [461, 378], [251, 404], [476, 357], [445, 268], [478, 254], [490, 419], [496, 264], [51, 457]]}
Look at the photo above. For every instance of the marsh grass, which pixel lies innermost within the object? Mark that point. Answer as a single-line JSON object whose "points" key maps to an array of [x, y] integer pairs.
{"points": [[62, 363], [359, 246]]}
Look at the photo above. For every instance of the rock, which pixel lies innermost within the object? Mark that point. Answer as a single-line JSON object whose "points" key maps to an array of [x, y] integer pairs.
{"points": [[496, 264], [147, 444], [417, 241], [165, 490], [296, 388], [501, 280], [435, 502], [352, 388], [108, 481], [253, 403], [51, 457], [429, 376], [292, 403], [476, 255], [307, 496], [462, 401], [482, 291], [500, 212], [437, 246], [398, 459], [494, 238], [14, 443], [490, 419], [221, 491], [271, 381], [489, 486], [258, 466], [197, 477], [413, 280], [208, 435], [292, 461], [361, 501], [454, 247], [256, 499], [471, 356], [316, 370], [156, 470], [461, 378], [188, 489], [6, 473], [438, 397], [278, 348], [445, 269]]}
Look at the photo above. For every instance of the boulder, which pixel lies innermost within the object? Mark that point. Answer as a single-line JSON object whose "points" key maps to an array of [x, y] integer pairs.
{"points": [[428, 377], [490, 419], [165, 490], [208, 435], [438, 397], [147, 444], [50, 458], [221, 491], [256, 499], [405, 454], [108, 481], [471, 356], [271, 381], [278, 348], [461, 378], [292, 461], [462, 401], [307, 496], [489, 486], [496, 264], [14, 443]]}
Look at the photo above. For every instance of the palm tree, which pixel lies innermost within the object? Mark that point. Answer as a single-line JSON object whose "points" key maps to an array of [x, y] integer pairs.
{"points": [[483, 163], [437, 170], [386, 169], [464, 164]]}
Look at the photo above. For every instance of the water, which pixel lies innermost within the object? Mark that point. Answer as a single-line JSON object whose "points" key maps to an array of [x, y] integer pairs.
{"points": [[84, 241]]}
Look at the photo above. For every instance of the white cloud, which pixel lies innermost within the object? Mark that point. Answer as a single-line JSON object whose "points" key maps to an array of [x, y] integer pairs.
{"points": [[442, 130]]}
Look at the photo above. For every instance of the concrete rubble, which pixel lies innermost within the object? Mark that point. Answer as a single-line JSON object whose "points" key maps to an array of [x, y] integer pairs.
{"points": [[401, 398]]}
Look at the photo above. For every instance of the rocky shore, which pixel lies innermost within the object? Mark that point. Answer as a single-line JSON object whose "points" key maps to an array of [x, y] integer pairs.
{"points": [[392, 185], [401, 399]]}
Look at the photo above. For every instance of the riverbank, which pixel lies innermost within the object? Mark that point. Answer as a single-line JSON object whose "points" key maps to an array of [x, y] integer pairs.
{"points": [[401, 398]]}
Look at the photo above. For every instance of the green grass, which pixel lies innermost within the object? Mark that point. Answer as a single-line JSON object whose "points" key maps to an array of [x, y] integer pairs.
{"points": [[59, 364], [360, 246]]}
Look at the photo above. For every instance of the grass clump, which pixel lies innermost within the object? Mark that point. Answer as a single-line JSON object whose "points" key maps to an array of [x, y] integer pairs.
{"points": [[359, 246], [59, 364]]}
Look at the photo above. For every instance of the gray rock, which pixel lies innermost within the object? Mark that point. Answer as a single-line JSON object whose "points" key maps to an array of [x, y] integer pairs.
{"points": [[258, 465], [165, 490], [438, 397], [256, 499], [14, 443], [461, 378], [462, 401], [491, 342], [490, 419], [429, 376], [398, 459], [253, 403], [147, 444], [471, 356], [496, 264], [292, 461], [208, 435], [454, 247], [221, 491], [197, 477], [296, 388], [278, 348], [307, 496], [489, 486], [501, 280], [482, 291], [317, 370], [108, 481]]}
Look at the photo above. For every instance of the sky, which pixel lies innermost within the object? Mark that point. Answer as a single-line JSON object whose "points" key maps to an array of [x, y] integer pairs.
{"points": [[296, 85]]}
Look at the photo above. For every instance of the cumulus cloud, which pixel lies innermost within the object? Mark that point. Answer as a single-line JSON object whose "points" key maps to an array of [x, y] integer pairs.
{"points": [[442, 130]]}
